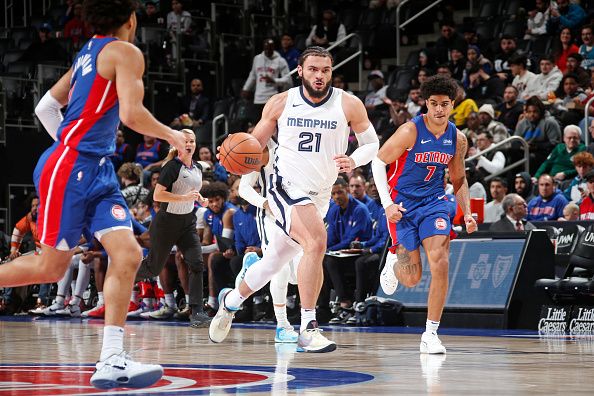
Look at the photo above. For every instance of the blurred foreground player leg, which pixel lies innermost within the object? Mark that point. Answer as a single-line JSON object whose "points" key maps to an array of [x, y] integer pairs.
{"points": [[76, 181], [306, 166], [422, 149]]}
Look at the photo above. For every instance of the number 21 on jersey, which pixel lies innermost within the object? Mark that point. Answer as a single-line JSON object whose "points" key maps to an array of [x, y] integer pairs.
{"points": [[310, 142]]}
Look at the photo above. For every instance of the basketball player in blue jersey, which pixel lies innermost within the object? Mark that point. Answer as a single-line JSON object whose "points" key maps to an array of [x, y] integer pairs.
{"points": [[76, 182], [312, 122], [423, 148]]}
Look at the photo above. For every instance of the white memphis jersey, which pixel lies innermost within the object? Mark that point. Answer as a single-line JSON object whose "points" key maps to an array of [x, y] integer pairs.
{"points": [[309, 136]]}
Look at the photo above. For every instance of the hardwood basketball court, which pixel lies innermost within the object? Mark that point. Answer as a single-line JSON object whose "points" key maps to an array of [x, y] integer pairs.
{"points": [[50, 357]]}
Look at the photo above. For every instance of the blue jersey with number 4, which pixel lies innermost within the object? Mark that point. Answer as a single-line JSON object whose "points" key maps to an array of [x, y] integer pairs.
{"points": [[419, 172]]}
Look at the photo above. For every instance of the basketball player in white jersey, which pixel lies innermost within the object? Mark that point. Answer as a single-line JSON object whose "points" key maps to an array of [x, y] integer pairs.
{"points": [[312, 125], [266, 226]]}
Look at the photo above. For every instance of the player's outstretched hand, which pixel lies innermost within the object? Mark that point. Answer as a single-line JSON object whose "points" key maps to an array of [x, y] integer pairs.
{"points": [[470, 224], [177, 140], [394, 212], [202, 201], [344, 163]]}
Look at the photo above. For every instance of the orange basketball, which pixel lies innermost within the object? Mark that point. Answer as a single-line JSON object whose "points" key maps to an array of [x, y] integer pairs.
{"points": [[241, 153]]}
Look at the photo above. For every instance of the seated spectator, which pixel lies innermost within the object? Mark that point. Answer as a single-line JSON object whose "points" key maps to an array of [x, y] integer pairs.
{"points": [[76, 29], [150, 155], [150, 15], [514, 208], [45, 49], [194, 109], [219, 171], [349, 220], [414, 102], [131, 176], [522, 76], [376, 96], [541, 131], [288, 51], [338, 81], [559, 164], [444, 70], [583, 163], [494, 209], [422, 75], [537, 20], [472, 37], [565, 14], [484, 88], [568, 105], [587, 205], [587, 48], [457, 63], [26, 225], [476, 188], [497, 130], [123, 151], [327, 31], [179, 20], [571, 212], [492, 161], [448, 40], [549, 203], [563, 46], [426, 62], [473, 126], [507, 48], [573, 66], [510, 110], [475, 61], [523, 186], [218, 224], [463, 107], [545, 83]]}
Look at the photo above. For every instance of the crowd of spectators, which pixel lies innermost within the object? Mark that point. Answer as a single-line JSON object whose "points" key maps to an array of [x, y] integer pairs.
{"points": [[505, 88]]}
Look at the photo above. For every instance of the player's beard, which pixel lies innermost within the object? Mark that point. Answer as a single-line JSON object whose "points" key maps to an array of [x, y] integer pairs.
{"points": [[314, 93]]}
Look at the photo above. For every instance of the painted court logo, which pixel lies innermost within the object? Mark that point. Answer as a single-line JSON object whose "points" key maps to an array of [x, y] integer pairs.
{"points": [[440, 224], [118, 212], [68, 379]]}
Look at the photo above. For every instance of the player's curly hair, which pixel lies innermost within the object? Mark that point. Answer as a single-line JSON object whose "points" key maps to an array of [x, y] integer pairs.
{"points": [[315, 51], [106, 16], [439, 85], [215, 189]]}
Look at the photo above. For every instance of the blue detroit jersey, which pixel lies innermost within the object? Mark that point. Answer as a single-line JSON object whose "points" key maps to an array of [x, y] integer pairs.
{"points": [[420, 171], [92, 115]]}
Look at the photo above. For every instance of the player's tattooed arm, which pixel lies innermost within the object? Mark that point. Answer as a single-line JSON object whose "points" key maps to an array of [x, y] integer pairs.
{"points": [[457, 168]]}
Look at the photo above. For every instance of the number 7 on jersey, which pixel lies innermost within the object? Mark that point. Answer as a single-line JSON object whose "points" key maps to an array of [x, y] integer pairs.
{"points": [[431, 169]]}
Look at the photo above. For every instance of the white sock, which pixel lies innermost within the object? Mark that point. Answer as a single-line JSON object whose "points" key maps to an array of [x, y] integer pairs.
{"points": [[281, 317], [170, 300], [100, 301], [307, 315], [60, 300], [212, 301], [187, 299], [113, 341], [431, 326], [74, 301], [233, 300], [134, 296]]}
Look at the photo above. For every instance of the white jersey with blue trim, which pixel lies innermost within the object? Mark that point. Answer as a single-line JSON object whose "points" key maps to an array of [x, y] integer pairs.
{"points": [[309, 136]]}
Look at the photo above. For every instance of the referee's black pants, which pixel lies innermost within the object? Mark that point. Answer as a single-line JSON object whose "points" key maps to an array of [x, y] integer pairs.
{"points": [[166, 230]]}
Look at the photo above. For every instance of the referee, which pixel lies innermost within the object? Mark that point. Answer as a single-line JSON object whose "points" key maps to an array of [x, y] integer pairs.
{"points": [[175, 223]]}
